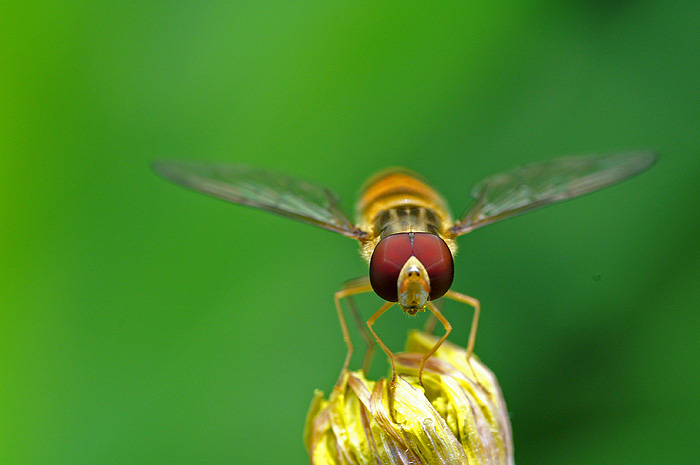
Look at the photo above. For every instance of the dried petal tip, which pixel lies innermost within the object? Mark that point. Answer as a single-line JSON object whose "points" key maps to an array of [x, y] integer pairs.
{"points": [[455, 419]]}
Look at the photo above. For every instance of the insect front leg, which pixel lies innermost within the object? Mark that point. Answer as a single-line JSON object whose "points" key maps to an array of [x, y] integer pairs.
{"points": [[431, 321], [448, 329], [370, 322]]}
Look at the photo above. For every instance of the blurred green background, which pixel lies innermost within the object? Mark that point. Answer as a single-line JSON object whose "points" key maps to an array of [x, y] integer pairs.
{"points": [[142, 323]]}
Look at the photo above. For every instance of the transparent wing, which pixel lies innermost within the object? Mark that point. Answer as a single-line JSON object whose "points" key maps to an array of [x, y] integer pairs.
{"points": [[266, 190], [535, 186]]}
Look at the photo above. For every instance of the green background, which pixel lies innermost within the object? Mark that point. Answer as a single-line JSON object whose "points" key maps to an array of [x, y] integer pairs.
{"points": [[141, 323]]}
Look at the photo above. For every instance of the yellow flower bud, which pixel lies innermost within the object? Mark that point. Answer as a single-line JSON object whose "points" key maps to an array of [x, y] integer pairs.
{"points": [[457, 417]]}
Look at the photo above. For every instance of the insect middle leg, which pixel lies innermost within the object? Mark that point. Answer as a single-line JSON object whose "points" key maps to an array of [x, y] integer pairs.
{"points": [[364, 331], [350, 288], [472, 302]]}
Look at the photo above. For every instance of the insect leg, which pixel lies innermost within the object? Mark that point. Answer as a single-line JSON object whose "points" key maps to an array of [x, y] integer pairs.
{"points": [[475, 320], [430, 323], [370, 322], [369, 341], [350, 288], [448, 328]]}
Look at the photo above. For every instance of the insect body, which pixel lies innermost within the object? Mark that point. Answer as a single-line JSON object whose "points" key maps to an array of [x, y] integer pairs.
{"points": [[408, 240], [405, 230]]}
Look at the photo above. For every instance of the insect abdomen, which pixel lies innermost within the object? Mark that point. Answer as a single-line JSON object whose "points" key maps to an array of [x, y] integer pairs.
{"points": [[398, 188]]}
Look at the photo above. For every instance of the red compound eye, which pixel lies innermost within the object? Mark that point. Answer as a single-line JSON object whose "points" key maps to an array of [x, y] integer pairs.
{"points": [[436, 257], [388, 258], [391, 254]]}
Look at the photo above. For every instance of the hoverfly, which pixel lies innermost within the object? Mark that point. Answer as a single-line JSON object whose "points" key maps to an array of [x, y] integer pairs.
{"points": [[404, 227]]}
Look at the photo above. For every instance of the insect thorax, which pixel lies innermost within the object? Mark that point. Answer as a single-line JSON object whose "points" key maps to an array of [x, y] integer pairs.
{"points": [[405, 219]]}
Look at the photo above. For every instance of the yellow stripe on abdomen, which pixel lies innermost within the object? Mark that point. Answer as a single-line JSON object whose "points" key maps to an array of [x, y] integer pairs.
{"points": [[397, 188]]}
